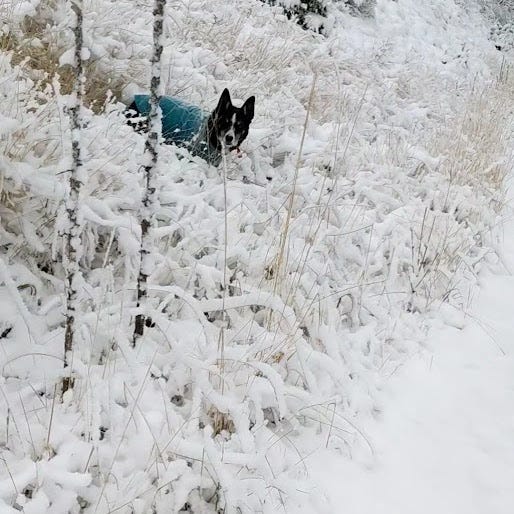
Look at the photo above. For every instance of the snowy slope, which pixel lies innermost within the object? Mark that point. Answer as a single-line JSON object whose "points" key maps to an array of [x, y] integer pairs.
{"points": [[341, 251], [443, 442]]}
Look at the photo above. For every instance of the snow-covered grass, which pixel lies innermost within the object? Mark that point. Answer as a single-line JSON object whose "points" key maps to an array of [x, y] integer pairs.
{"points": [[40, 40], [286, 285], [442, 440]]}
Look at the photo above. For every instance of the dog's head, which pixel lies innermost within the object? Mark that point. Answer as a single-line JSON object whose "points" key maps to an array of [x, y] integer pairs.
{"points": [[230, 123]]}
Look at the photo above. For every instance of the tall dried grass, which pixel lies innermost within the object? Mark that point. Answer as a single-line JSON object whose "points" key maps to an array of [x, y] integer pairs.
{"points": [[37, 47]]}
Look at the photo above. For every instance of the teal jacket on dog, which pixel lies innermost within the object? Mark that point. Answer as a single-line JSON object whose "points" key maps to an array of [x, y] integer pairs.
{"points": [[204, 135], [181, 122]]}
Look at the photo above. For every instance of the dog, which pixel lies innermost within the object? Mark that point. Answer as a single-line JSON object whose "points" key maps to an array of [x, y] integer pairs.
{"points": [[186, 125]]}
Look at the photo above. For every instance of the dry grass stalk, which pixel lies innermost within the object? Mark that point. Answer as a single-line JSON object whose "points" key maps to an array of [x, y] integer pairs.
{"points": [[37, 50]]}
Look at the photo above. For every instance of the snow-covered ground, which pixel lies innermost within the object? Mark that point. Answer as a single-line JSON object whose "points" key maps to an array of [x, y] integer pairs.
{"points": [[444, 442], [344, 245]]}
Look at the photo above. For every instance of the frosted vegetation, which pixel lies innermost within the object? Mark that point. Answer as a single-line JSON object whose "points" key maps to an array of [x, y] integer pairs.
{"points": [[284, 286]]}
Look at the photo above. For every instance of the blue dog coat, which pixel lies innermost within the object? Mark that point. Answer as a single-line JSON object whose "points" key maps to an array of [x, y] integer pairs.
{"points": [[181, 122]]}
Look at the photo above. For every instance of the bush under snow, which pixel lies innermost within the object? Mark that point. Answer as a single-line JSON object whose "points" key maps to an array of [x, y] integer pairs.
{"points": [[341, 245]]}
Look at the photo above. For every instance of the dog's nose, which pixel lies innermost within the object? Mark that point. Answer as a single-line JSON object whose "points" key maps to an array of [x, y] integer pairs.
{"points": [[228, 138]]}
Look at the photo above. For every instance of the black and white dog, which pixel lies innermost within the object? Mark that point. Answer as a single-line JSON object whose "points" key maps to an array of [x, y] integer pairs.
{"points": [[186, 125]]}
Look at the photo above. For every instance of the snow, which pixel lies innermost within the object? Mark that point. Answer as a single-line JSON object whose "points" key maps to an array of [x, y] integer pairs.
{"points": [[326, 344], [443, 441]]}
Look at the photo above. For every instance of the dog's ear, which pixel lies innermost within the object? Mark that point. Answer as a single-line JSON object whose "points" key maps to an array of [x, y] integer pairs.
{"points": [[248, 108], [224, 102]]}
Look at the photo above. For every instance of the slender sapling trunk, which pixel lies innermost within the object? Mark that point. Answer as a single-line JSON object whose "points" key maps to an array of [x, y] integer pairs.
{"points": [[149, 202], [72, 233]]}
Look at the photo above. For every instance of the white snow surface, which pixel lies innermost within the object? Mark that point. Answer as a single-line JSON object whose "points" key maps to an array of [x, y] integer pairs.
{"points": [[305, 352], [443, 442]]}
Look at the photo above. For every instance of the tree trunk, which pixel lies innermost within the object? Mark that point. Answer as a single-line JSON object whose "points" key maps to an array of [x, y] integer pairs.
{"points": [[72, 234], [149, 202]]}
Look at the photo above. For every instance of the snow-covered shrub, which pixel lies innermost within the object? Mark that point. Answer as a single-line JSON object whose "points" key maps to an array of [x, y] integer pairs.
{"points": [[23, 152], [503, 35], [344, 233], [38, 36], [359, 7], [308, 14], [502, 31], [312, 14]]}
